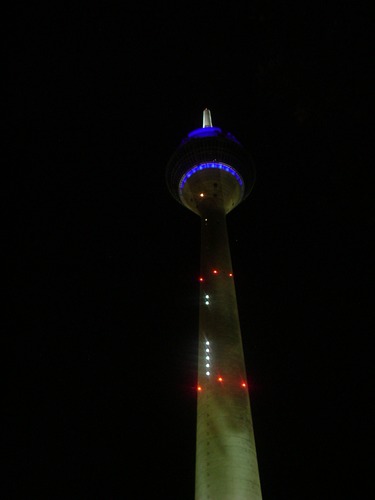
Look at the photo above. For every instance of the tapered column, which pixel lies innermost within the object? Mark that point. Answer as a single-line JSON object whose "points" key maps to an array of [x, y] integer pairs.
{"points": [[226, 463]]}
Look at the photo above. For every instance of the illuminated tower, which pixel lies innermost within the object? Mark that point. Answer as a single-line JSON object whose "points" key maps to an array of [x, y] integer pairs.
{"points": [[211, 173]]}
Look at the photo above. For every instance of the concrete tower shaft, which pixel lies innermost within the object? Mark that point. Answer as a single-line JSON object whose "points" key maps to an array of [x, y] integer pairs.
{"points": [[211, 173], [226, 462]]}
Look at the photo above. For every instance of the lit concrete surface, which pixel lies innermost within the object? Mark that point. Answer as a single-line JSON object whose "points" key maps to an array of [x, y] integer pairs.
{"points": [[226, 462]]}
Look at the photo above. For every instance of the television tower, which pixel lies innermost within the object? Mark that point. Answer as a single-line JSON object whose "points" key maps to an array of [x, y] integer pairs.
{"points": [[210, 173]]}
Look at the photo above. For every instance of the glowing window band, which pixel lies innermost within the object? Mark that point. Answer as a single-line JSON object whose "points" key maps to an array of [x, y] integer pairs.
{"points": [[204, 166], [205, 132]]}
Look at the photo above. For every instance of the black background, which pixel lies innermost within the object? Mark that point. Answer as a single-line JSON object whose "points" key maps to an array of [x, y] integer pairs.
{"points": [[102, 264]]}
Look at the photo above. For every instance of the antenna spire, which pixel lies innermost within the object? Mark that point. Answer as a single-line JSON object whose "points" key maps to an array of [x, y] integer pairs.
{"points": [[207, 121]]}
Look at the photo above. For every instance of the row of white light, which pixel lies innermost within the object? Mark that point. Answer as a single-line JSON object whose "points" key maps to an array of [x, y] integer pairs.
{"points": [[208, 358]]}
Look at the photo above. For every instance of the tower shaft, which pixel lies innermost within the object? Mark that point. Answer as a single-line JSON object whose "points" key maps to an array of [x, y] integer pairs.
{"points": [[226, 463], [210, 174]]}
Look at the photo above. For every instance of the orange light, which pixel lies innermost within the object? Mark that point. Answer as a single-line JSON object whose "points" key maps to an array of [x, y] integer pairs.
{"points": [[199, 388], [243, 384], [220, 379], [230, 275]]}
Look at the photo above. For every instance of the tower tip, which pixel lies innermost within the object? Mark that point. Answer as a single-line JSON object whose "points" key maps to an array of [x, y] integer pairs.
{"points": [[207, 121]]}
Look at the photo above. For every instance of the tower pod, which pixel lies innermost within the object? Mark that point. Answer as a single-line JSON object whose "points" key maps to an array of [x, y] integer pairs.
{"points": [[210, 170]]}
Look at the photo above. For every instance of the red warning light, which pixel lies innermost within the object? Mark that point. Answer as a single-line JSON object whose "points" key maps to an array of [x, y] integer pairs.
{"points": [[220, 379], [215, 271], [244, 384], [201, 279], [230, 275], [199, 388]]}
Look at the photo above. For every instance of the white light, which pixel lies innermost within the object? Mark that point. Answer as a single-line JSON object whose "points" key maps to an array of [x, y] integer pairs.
{"points": [[207, 365], [207, 350], [207, 342], [207, 373], [207, 302], [207, 357], [207, 296]]}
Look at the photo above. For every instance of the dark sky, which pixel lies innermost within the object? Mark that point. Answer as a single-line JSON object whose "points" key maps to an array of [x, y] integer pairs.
{"points": [[102, 264]]}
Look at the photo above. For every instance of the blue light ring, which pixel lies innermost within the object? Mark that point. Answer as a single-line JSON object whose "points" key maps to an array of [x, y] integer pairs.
{"points": [[205, 132], [204, 166]]}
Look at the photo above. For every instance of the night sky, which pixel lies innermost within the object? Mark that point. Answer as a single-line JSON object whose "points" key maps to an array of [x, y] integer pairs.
{"points": [[101, 267]]}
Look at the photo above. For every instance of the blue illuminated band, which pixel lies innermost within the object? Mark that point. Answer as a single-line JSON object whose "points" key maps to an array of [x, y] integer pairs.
{"points": [[204, 166], [205, 132]]}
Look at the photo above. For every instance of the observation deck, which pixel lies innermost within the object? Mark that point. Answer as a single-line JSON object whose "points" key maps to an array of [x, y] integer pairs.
{"points": [[210, 170]]}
